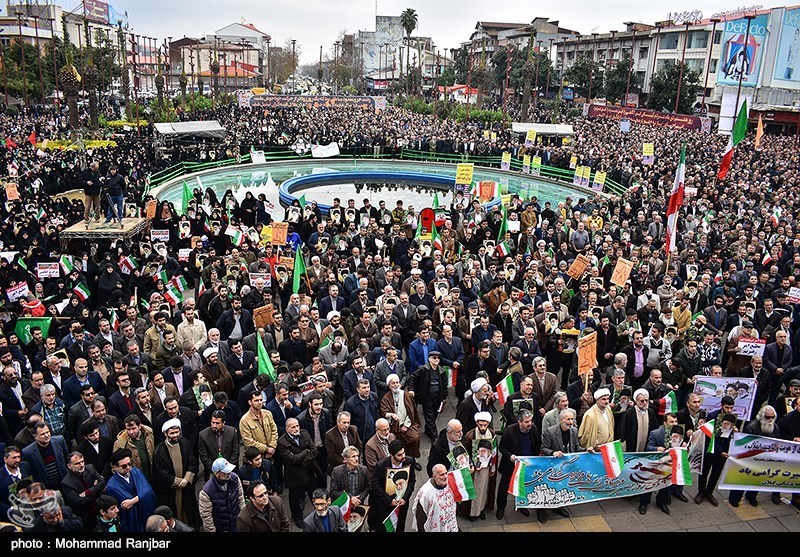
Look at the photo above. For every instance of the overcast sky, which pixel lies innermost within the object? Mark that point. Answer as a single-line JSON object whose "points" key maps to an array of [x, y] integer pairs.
{"points": [[448, 22]]}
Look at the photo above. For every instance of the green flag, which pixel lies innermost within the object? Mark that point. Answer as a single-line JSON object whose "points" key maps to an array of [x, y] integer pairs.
{"points": [[187, 196], [299, 269], [264, 363], [302, 201], [24, 324], [436, 200], [501, 234]]}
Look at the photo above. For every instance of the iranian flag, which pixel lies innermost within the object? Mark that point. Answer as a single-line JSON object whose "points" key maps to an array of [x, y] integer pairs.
{"points": [[667, 404], [501, 233], [452, 376], [391, 521], [66, 263], [237, 236], [503, 250], [173, 295], [681, 471], [436, 239], [40, 214], [737, 134], [675, 202], [460, 483], [113, 319], [517, 485], [612, 458], [81, 291], [775, 217], [128, 264], [505, 389], [708, 429], [343, 502], [180, 283], [718, 277], [201, 288]]}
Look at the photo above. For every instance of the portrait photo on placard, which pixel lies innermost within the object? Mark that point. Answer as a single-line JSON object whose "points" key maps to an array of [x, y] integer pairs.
{"points": [[397, 482]]}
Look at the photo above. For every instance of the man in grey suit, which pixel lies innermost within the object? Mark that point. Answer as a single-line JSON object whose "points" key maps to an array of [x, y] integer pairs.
{"points": [[392, 364], [556, 441], [325, 518], [218, 440]]}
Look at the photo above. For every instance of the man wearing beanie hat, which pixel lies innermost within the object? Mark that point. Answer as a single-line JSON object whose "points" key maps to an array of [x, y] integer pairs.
{"points": [[597, 425], [479, 401], [175, 467], [384, 483], [174, 524], [724, 428]]}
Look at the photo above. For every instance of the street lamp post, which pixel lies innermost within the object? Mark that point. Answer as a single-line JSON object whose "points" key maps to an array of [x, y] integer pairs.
{"points": [[680, 71], [39, 58], [591, 66], [714, 21], [655, 55], [549, 54], [22, 57], [336, 67], [362, 67], [55, 63], [630, 70], [294, 62], [269, 74], [536, 71], [749, 18]]}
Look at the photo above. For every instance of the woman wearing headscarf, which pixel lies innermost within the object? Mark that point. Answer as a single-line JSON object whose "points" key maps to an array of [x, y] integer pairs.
{"points": [[107, 283]]}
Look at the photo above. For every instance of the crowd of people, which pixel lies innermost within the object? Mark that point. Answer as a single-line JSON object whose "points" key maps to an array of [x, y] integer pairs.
{"points": [[186, 383]]}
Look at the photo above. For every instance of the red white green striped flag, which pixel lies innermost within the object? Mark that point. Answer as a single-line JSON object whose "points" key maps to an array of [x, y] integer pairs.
{"points": [[452, 376], [667, 404], [503, 250], [708, 428], [201, 288], [162, 276], [681, 471], [180, 283], [505, 389], [343, 502], [675, 202], [66, 263], [391, 521], [737, 135], [237, 236], [460, 483], [113, 319], [128, 264], [517, 485], [436, 239], [173, 295], [613, 459], [81, 291], [718, 277]]}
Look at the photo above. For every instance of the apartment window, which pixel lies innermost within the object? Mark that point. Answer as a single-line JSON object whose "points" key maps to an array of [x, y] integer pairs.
{"points": [[717, 37], [695, 64], [664, 62], [713, 65], [698, 39], [669, 41], [643, 53]]}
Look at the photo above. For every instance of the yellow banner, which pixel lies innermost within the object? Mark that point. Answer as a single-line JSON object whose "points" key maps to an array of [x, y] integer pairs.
{"points": [[648, 149], [537, 161], [530, 137], [506, 157], [464, 172], [494, 136], [506, 199], [600, 177], [587, 171], [573, 161], [526, 160]]}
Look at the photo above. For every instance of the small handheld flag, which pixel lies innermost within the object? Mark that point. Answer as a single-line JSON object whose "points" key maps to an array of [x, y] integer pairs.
{"points": [[613, 458]]}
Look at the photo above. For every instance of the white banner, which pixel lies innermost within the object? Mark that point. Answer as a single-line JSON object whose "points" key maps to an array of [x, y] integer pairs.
{"points": [[325, 151], [257, 157]]}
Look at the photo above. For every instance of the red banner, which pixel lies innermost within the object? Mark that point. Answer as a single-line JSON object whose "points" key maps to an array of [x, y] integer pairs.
{"points": [[642, 116], [426, 219]]}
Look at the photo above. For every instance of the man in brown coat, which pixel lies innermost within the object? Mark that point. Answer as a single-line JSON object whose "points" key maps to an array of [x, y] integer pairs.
{"points": [[338, 437], [263, 512]]}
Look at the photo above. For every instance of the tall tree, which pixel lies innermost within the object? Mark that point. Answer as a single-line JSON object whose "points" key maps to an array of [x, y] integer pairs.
{"points": [[664, 88], [579, 75], [616, 79], [409, 21], [528, 70], [91, 78], [70, 81]]}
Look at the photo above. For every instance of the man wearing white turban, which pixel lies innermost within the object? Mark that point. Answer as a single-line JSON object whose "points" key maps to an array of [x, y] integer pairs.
{"points": [[399, 407], [479, 401], [175, 467], [597, 425]]}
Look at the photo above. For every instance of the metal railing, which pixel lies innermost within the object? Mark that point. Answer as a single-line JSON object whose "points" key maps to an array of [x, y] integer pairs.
{"points": [[545, 171]]}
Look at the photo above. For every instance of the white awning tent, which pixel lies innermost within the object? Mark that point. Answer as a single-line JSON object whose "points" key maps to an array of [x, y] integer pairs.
{"points": [[210, 129], [543, 129]]}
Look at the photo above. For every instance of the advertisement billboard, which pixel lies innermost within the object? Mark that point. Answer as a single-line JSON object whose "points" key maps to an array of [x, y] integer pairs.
{"points": [[95, 10], [788, 55], [742, 51]]}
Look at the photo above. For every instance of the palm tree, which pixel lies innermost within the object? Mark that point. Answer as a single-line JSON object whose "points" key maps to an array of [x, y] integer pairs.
{"points": [[408, 20], [70, 81], [91, 77], [528, 70]]}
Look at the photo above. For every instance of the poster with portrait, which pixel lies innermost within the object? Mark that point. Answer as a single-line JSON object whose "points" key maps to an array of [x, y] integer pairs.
{"points": [[441, 288], [484, 453], [357, 518], [587, 353], [622, 270], [788, 55], [280, 231], [335, 214], [741, 389], [184, 229], [350, 214], [578, 266], [294, 214], [397, 482], [131, 210], [263, 315], [740, 59], [458, 457]]}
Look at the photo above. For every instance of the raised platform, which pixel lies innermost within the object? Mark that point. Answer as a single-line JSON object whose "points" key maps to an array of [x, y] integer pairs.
{"points": [[97, 231]]}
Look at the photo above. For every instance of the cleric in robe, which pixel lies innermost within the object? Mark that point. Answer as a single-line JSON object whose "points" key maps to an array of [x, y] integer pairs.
{"points": [[129, 486]]}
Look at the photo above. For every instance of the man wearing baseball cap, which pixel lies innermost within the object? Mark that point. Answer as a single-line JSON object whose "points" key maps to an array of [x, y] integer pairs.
{"points": [[221, 498]]}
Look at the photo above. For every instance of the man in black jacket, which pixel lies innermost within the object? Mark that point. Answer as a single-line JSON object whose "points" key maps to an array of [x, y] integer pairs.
{"points": [[81, 487], [520, 439], [90, 179], [115, 184]]}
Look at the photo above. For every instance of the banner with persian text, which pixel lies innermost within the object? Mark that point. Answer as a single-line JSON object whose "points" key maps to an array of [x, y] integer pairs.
{"points": [[552, 482], [643, 116], [757, 463], [246, 98]]}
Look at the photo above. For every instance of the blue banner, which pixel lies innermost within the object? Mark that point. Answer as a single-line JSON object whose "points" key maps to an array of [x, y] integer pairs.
{"points": [[552, 482], [788, 55]]}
